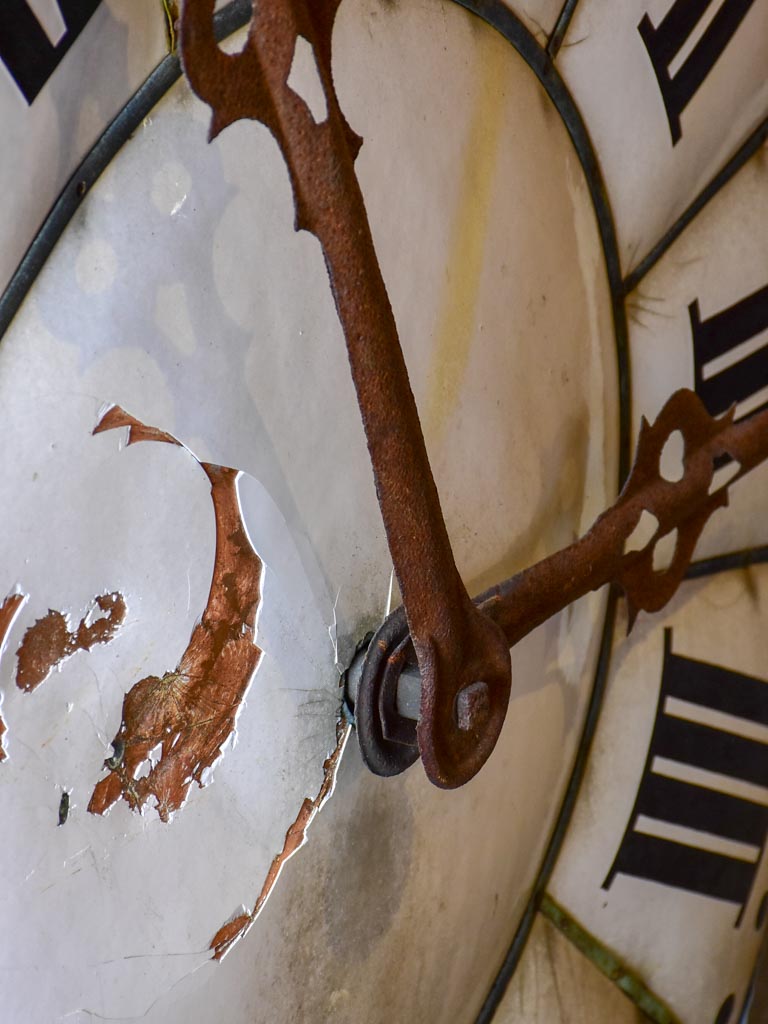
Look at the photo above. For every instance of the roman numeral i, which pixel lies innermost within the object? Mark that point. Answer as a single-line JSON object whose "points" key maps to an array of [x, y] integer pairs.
{"points": [[721, 377], [667, 40], [700, 810]]}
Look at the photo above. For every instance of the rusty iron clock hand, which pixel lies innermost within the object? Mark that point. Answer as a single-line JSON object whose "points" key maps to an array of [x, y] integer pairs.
{"points": [[527, 599], [461, 647], [462, 654]]}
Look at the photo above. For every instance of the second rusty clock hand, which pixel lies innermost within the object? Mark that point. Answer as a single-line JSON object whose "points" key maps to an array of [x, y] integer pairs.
{"points": [[463, 656], [520, 604]]}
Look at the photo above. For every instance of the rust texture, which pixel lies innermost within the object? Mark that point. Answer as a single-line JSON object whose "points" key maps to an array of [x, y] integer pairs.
{"points": [[521, 603], [49, 641], [599, 557], [456, 645], [295, 837], [190, 712], [9, 609]]}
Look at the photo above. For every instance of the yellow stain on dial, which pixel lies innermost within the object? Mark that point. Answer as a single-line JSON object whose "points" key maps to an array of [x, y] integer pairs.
{"points": [[456, 320]]}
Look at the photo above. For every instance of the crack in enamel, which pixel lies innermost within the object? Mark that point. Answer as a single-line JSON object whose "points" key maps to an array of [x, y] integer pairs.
{"points": [[189, 713], [296, 836], [9, 609], [49, 641]]}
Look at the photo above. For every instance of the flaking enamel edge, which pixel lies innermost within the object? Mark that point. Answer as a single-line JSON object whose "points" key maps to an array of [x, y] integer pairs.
{"points": [[296, 836], [9, 609], [191, 711]]}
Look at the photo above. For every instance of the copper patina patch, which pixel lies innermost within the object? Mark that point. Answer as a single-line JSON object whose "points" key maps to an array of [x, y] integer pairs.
{"points": [[178, 723], [49, 641]]}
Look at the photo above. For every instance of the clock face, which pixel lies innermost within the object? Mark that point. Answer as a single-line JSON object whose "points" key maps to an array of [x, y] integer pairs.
{"points": [[193, 548]]}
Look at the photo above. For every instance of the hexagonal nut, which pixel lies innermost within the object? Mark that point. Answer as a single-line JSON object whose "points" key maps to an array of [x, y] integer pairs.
{"points": [[473, 706]]}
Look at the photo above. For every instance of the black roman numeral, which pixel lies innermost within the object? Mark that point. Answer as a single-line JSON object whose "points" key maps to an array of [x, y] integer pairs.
{"points": [[27, 51], [718, 336], [679, 864], [665, 41]]}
